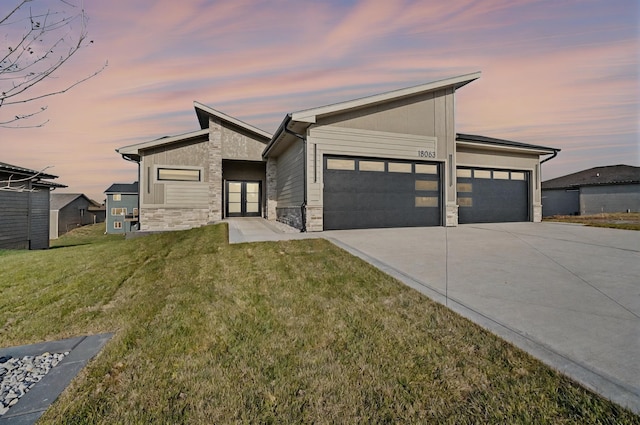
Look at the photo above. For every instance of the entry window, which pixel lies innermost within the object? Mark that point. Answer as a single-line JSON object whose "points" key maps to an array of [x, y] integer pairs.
{"points": [[253, 197], [234, 197], [177, 174]]}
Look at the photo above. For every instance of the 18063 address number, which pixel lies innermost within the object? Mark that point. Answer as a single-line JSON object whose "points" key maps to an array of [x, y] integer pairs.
{"points": [[426, 154]]}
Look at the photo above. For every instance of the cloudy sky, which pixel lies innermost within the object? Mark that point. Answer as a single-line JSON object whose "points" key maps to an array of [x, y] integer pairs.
{"points": [[559, 73]]}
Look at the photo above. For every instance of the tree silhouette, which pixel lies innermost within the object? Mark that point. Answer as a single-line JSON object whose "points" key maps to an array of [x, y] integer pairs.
{"points": [[38, 40]]}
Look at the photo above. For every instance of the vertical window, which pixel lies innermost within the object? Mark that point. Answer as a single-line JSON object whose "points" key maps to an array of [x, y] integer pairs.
{"points": [[117, 197]]}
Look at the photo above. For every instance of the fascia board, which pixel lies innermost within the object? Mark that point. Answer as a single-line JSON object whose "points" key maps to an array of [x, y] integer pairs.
{"points": [[311, 115], [135, 149], [487, 146]]}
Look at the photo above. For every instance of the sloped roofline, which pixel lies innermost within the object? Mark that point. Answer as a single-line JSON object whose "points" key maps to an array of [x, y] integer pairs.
{"points": [[24, 171], [167, 140], [210, 112], [310, 116], [472, 139]]}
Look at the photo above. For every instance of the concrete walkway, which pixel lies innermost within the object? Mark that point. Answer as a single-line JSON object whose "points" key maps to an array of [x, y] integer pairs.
{"points": [[567, 294]]}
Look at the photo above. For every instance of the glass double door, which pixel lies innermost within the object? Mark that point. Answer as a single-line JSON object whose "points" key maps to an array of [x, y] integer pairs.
{"points": [[243, 199]]}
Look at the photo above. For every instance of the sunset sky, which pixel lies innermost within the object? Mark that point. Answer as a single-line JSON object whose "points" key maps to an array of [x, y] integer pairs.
{"points": [[559, 73]]}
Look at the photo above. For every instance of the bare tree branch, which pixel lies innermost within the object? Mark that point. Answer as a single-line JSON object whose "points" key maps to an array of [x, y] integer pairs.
{"points": [[37, 44], [9, 185]]}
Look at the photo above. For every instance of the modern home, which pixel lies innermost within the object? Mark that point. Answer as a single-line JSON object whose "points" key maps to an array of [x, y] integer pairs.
{"points": [[24, 207], [121, 208], [608, 189], [71, 210], [393, 159]]}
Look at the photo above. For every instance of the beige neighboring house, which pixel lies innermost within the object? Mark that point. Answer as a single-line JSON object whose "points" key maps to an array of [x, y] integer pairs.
{"points": [[389, 160], [201, 177]]}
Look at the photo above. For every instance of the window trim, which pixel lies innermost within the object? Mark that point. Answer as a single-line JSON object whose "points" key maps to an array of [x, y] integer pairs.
{"points": [[158, 179]]}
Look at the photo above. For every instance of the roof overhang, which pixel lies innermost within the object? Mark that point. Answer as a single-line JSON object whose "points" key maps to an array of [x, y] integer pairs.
{"points": [[489, 143], [132, 152], [297, 123], [205, 112]]}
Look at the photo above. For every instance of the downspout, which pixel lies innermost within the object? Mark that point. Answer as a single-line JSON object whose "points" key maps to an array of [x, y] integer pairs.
{"points": [[303, 207], [139, 196], [555, 153]]}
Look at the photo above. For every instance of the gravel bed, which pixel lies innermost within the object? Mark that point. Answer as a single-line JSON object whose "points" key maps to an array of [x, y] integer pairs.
{"points": [[18, 375]]}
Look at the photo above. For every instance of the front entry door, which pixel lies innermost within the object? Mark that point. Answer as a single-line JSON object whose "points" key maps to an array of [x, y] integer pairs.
{"points": [[243, 199]]}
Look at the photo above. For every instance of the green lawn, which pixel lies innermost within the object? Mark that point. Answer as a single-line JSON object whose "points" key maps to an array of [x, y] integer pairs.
{"points": [[282, 332]]}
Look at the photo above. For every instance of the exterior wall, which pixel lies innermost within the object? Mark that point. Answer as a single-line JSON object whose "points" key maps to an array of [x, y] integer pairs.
{"points": [[330, 140], [128, 201], [74, 214], [24, 219], [418, 128], [431, 115], [39, 225], [290, 189], [609, 199], [471, 157], [189, 200], [560, 202]]}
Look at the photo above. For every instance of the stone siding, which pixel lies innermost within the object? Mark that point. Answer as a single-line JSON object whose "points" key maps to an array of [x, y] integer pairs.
{"points": [[215, 171], [291, 216], [314, 219], [452, 216], [272, 188], [163, 219]]}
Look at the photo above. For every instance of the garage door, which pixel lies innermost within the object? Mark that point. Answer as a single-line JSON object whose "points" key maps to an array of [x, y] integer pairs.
{"points": [[492, 196], [364, 193]]}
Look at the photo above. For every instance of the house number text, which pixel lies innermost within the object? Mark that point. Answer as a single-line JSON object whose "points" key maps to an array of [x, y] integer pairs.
{"points": [[427, 154]]}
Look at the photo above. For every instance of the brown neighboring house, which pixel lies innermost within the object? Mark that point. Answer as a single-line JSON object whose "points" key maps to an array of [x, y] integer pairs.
{"points": [[608, 189], [24, 207], [71, 210]]}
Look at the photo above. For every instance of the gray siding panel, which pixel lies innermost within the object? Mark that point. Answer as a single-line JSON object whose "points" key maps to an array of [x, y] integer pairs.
{"points": [[609, 199], [39, 226], [291, 176], [14, 229], [560, 202]]}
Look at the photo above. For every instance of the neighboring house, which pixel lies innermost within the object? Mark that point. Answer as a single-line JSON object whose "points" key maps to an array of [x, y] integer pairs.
{"points": [[121, 208], [609, 189], [71, 210], [388, 160], [24, 207]]}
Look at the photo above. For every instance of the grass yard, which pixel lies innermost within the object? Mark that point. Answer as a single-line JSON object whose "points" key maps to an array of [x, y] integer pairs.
{"points": [[625, 221], [278, 332]]}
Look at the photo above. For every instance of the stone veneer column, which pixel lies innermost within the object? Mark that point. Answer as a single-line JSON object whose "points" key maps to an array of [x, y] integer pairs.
{"points": [[452, 216], [537, 213], [215, 171], [272, 189]]}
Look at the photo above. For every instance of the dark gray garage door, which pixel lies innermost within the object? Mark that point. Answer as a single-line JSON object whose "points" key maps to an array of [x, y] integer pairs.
{"points": [[361, 193], [492, 196]]}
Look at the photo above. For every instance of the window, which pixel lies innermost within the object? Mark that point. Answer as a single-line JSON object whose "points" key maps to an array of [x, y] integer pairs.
{"points": [[426, 169], [371, 165], [399, 167], [118, 211], [464, 173], [177, 174], [482, 174], [117, 197], [117, 225], [135, 212], [426, 185], [426, 201], [341, 164]]}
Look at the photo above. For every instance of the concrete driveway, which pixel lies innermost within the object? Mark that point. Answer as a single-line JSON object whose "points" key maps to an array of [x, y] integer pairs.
{"points": [[567, 294]]}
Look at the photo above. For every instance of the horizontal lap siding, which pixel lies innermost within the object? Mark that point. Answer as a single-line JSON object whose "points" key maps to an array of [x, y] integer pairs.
{"points": [[14, 215], [291, 176], [358, 143]]}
